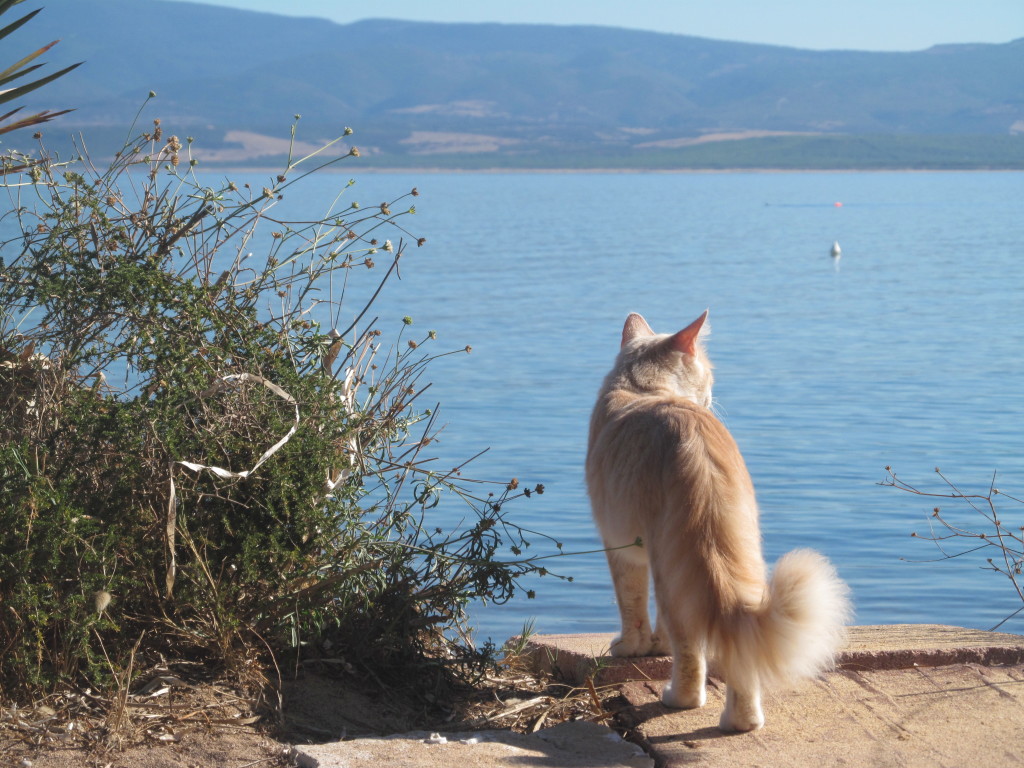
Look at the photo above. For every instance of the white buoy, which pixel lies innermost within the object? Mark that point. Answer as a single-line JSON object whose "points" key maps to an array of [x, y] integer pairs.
{"points": [[836, 250]]}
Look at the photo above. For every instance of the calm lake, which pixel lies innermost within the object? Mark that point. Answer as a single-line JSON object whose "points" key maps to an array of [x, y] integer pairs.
{"points": [[908, 352]]}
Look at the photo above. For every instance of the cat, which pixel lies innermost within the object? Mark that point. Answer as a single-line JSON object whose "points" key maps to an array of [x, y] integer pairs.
{"points": [[663, 471]]}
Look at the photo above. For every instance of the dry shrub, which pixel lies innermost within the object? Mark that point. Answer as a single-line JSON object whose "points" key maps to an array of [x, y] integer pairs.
{"points": [[207, 455]]}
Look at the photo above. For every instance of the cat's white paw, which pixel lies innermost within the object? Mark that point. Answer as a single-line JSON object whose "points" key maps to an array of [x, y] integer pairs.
{"points": [[640, 644], [631, 644], [748, 717], [684, 698]]}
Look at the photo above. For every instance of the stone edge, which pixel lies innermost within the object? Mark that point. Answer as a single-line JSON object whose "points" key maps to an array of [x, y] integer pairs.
{"points": [[576, 667]]}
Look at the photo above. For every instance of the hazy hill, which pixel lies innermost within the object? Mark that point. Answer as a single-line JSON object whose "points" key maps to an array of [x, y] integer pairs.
{"points": [[490, 94]]}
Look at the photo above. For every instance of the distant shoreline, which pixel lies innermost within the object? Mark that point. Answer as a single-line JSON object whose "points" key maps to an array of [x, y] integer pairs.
{"points": [[607, 171]]}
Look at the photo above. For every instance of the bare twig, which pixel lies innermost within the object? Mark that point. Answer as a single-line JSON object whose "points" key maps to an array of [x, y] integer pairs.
{"points": [[1006, 541]]}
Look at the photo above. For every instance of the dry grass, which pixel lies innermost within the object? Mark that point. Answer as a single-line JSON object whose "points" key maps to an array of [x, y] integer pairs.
{"points": [[519, 699], [175, 715], [163, 713]]}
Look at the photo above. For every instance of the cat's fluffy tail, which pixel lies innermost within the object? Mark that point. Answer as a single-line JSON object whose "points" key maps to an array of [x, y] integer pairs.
{"points": [[797, 633]]}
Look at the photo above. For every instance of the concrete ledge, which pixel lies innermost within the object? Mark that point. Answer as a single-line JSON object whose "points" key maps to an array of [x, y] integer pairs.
{"points": [[905, 696], [575, 658], [953, 715]]}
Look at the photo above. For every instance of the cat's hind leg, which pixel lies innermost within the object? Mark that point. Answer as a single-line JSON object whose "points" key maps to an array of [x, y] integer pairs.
{"points": [[629, 575], [686, 688], [677, 630], [742, 708]]}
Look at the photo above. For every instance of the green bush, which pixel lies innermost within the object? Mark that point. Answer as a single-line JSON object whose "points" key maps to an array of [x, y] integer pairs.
{"points": [[194, 460]]}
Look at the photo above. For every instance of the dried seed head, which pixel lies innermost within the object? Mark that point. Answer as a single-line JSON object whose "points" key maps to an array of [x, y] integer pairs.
{"points": [[102, 598]]}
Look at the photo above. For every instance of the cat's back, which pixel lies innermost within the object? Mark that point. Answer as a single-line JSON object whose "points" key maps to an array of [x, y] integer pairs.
{"points": [[642, 435]]}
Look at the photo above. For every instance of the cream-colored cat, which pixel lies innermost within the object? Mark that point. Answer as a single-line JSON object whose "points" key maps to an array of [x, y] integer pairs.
{"points": [[661, 468]]}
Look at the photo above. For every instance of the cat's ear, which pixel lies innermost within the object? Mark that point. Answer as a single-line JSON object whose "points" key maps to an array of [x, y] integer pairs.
{"points": [[686, 340], [635, 326]]}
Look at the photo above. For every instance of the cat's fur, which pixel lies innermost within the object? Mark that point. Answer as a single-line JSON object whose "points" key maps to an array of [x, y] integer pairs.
{"points": [[663, 469]]}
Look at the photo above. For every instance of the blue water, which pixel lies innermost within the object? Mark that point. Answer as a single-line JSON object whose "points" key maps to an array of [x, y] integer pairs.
{"points": [[909, 353]]}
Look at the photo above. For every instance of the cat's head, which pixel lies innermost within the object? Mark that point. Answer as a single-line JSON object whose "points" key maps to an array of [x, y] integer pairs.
{"points": [[676, 363]]}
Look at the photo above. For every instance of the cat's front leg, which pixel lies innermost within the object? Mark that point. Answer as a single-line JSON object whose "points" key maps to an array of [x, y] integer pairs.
{"points": [[634, 641], [660, 645], [629, 575]]}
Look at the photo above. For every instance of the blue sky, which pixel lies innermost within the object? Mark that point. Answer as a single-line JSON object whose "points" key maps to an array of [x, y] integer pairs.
{"points": [[875, 25]]}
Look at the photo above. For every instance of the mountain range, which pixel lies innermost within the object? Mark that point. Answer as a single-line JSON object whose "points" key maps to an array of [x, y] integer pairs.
{"points": [[495, 95]]}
